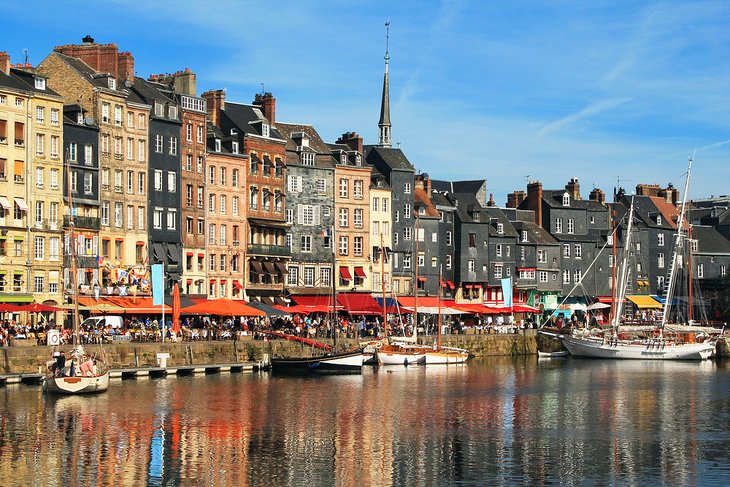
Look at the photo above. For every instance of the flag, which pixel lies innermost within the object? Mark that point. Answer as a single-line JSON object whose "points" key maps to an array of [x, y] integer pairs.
{"points": [[158, 289], [99, 260], [507, 291]]}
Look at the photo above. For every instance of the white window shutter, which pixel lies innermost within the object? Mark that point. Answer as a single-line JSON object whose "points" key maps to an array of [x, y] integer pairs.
{"points": [[300, 214], [317, 214]]}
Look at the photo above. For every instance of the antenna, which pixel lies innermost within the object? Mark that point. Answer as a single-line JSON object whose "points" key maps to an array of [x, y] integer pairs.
{"points": [[25, 51], [387, 40], [262, 89], [528, 178]]}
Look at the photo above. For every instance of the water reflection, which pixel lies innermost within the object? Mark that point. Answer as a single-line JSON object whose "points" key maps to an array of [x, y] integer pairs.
{"points": [[492, 422]]}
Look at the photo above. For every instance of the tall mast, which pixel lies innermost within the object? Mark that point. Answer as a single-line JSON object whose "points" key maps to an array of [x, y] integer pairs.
{"points": [[625, 274], [690, 311], [384, 139], [438, 321], [382, 283], [72, 251], [415, 285], [613, 266], [334, 323], [668, 296]]}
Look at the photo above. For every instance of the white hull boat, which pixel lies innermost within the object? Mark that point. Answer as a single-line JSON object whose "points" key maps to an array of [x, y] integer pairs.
{"points": [[400, 357], [447, 356], [647, 349], [76, 384], [561, 353]]}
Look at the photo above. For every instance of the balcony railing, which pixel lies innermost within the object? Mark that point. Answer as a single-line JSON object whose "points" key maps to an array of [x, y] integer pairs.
{"points": [[90, 222], [82, 262], [274, 250]]}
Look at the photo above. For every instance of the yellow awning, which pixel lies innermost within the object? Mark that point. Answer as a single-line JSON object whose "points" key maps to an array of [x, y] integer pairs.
{"points": [[644, 302]]}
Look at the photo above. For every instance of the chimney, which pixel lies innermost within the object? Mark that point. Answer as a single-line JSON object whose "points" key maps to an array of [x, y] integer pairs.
{"points": [[670, 194], [573, 188], [647, 190], [185, 82], [125, 66], [351, 140], [423, 181], [515, 199], [216, 101], [598, 196], [267, 102], [491, 200], [5, 62], [534, 200], [104, 58]]}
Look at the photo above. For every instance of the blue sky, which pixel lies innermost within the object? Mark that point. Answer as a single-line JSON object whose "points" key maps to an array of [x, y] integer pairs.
{"points": [[479, 89]]}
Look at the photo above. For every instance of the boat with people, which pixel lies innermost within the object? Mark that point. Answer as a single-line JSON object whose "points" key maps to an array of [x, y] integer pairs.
{"points": [[349, 361], [663, 341], [80, 373]]}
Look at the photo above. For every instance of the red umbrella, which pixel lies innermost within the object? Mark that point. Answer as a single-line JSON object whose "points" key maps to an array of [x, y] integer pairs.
{"points": [[9, 307], [222, 307], [36, 307], [176, 308]]}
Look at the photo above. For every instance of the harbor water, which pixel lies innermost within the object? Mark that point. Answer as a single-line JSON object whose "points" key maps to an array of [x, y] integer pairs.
{"points": [[495, 421]]}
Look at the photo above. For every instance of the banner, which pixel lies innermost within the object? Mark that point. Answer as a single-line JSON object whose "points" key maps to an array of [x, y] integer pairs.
{"points": [[507, 291], [158, 288]]}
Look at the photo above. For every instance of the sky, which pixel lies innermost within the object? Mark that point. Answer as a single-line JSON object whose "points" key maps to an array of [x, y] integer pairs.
{"points": [[610, 92]]}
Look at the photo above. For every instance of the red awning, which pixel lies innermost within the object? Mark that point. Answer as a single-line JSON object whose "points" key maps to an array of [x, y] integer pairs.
{"points": [[426, 301], [477, 286], [421, 279], [202, 256], [189, 281], [604, 299], [451, 284], [359, 304], [237, 285], [313, 300], [222, 307], [212, 281], [345, 273], [189, 254], [468, 286], [359, 272]]}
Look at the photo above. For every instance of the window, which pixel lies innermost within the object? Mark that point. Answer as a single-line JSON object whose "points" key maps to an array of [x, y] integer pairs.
{"points": [[157, 218], [577, 276], [200, 197], [211, 174], [325, 277], [293, 276], [130, 149], [54, 146], [660, 240], [543, 276], [234, 205], [158, 180], [448, 238], [305, 244], [500, 228], [700, 271], [375, 203], [566, 250], [88, 183], [88, 154], [200, 134], [723, 271], [118, 215], [375, 228], [343, 245], [566, 199], [693, 245], [498, 271], [105, 213], [558, 225], [172, 219], [357, 217], [140, 150], [294, 184], [357, 186], [578, 251], [407, 233], [105, 107], [407, 189], [254, 198], [159, 143], [357, 246], [222, 207], [211, 203], [54, 116], [141, 119], [40, 144], [39, 177], [171, 181], [40, 114], [118, 180], [173, 146], [38, 284], [498, 250], [471, 265], [472, 240], [344, 188], [53, 248], [130, 182], [406, 261], [660, 260], [140, 217], [658, 219], [223, 234], [571, 225], [130, 217], [566, 276], [141, 183], [344, 217], [384, 206], [117, 115], [407, 211], [542, 256], [448, 261], [189, 132]]}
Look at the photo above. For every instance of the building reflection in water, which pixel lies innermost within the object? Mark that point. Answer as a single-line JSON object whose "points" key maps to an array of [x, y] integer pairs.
{"points": [[498, 421]]}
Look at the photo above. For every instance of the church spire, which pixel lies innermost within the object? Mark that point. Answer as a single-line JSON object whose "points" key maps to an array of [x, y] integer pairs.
{"points": [[384, 123]]}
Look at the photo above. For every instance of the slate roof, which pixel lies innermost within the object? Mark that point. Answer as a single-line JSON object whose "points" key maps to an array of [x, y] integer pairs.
{"points": [[377, 180], [535, 233], [248, 119], [554, 198], [465, 187], [70, 113], [495, 215], [24, 81], [646, 209], [316, 144], [394, 158], [709, 240]]}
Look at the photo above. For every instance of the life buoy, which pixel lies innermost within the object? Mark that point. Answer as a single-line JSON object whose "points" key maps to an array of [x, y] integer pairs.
{"points": [[656, 333]]}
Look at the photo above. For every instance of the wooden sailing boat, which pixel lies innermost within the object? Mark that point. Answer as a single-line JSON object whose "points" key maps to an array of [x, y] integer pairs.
{"points": [[82, 374], [444, 355], [403, 350], [656, 345]]}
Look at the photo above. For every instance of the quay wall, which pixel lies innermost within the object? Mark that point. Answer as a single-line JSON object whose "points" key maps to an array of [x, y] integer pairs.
{"points": [[26, 357]]}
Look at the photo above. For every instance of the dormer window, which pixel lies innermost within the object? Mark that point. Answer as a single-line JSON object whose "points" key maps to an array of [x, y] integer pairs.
{"points": [[217, 145], [234, 147], [159, 109], [566, 199], [172, 112], [234, 131], [307, 158], [476, 216], [658, 219], [80, 117], [40, 83], [524, 235], [343, 158], [265, 129], [111, 83], [500, 228], [358, 159]]}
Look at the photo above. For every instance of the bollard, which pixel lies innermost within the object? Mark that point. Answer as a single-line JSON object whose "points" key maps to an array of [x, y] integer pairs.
{"points": [[162, 360]]}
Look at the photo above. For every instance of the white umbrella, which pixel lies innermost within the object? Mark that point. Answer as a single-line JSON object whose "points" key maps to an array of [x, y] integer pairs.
{"points": [[599, 306]]}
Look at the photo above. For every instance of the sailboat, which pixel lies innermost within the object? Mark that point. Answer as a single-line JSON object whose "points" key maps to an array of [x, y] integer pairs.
{"points": [[444, 355], [656, 345], [83, 373], [403, 350]]}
